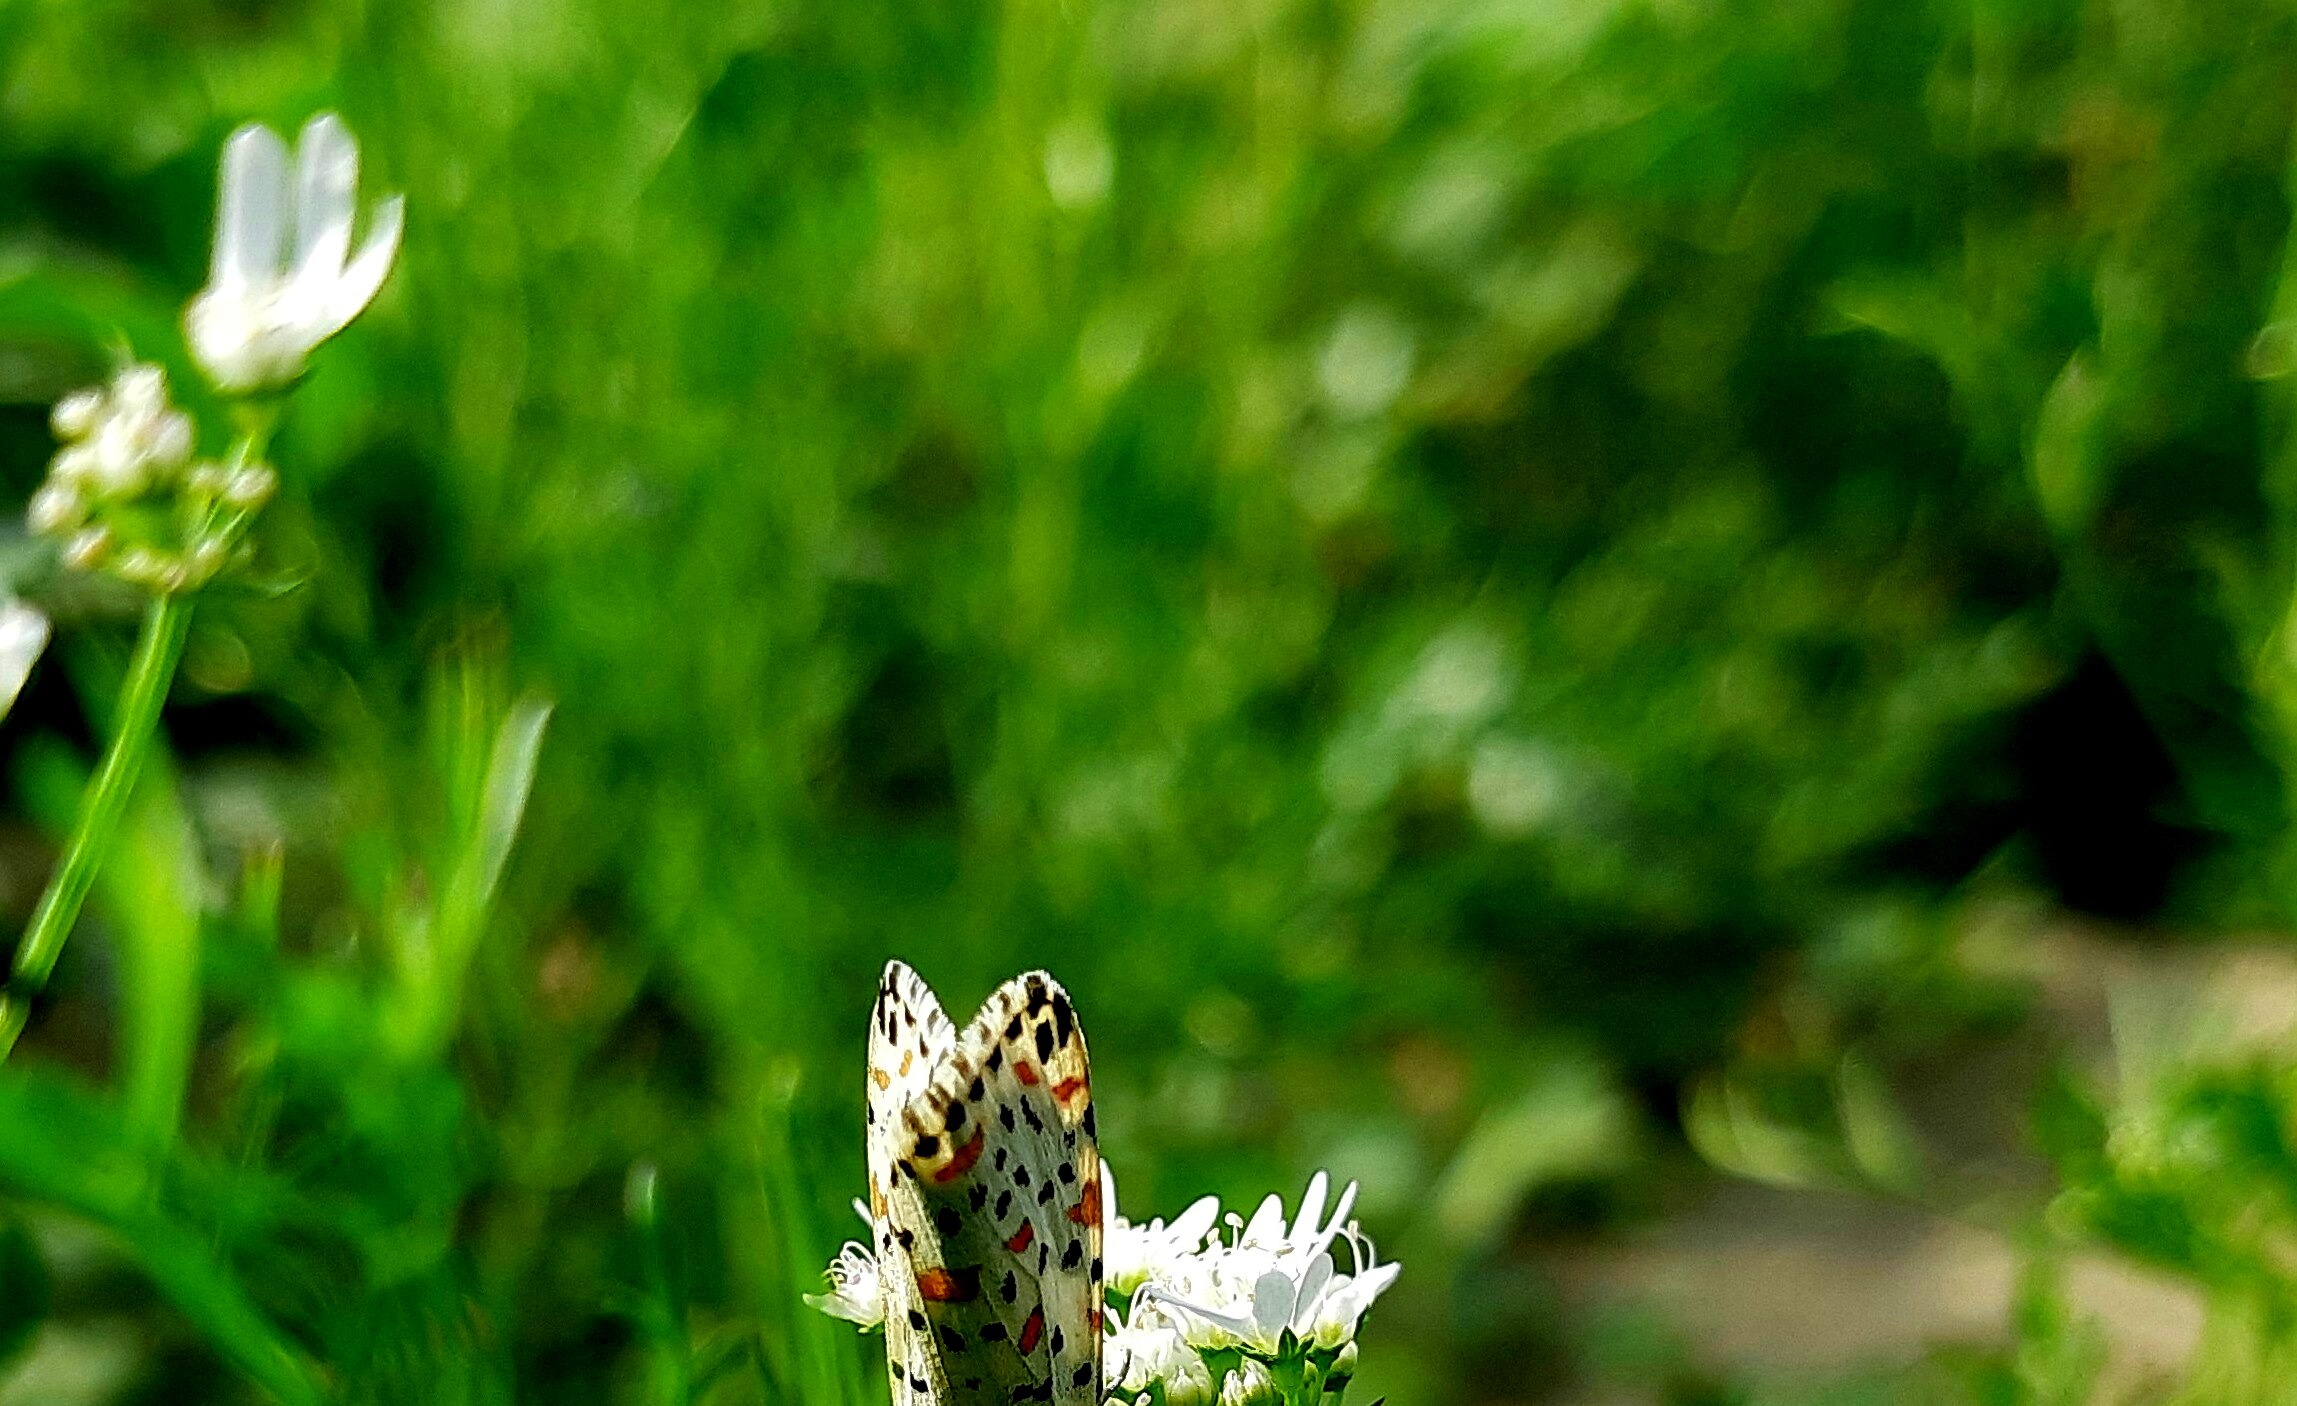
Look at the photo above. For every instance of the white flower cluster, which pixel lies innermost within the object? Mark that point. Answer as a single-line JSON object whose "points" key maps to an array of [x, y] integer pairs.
{"points": [[1267, 1289], [126, 492], [1223, 1311]]}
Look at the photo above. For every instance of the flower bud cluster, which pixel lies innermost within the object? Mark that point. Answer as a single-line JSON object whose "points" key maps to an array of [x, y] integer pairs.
{"points": [[128, 496]]}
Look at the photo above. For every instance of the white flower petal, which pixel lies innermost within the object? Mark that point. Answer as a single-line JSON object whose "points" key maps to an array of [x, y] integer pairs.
{"points": [[251, 214], [1323, 1241], [1193, 1224], [1267, 1224], [363, 277], [1310, 1221], [326, 189], [1235, 1323], [1311, 1288], [1273, 1298], [23, 634]]}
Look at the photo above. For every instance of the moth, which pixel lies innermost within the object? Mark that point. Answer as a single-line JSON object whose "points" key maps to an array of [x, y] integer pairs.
{"points": [[985, 1191]]}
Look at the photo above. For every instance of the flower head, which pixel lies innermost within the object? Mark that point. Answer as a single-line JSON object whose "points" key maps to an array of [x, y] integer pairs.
{"points": [[1273, 1279], [283, 278]]}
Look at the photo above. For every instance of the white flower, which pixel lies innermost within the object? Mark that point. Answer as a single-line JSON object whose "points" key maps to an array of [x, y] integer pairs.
{"points": [[23, 634], [1149, 1351], [283, 278], [1273, 1278], [1140, 1254], [856, 1293]]}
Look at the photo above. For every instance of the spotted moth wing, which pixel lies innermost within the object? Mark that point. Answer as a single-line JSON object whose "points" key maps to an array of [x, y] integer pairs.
{"points": [[909, 1036], [995, 1208]]}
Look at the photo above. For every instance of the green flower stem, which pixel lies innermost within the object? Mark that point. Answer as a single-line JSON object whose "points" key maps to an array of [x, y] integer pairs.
{"points": [[159, 648]]}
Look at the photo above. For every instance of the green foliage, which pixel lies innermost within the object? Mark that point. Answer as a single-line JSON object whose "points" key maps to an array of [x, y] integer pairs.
{"points": [[1468, 574]]}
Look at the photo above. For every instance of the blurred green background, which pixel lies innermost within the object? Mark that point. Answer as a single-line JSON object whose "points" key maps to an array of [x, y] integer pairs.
{"points": [[1653, 625]]}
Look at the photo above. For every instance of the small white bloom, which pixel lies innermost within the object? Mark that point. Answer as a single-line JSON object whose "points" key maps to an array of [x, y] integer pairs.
{"points": [[1140, 1254], [23, 634], [855, 1292], [75, 415], [284, 278]]}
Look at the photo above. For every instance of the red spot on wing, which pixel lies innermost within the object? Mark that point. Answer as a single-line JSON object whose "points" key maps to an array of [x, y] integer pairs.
{"points": [[1087, 1211], [961, 1161], [1021, 1238], [1093, 1319], [1068, 1086], [1024, 1071], [948, 1285], [1031, 1331]]}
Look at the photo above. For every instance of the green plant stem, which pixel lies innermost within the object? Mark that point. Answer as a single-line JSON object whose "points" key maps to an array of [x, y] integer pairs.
{"points": [[159, 648]]}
